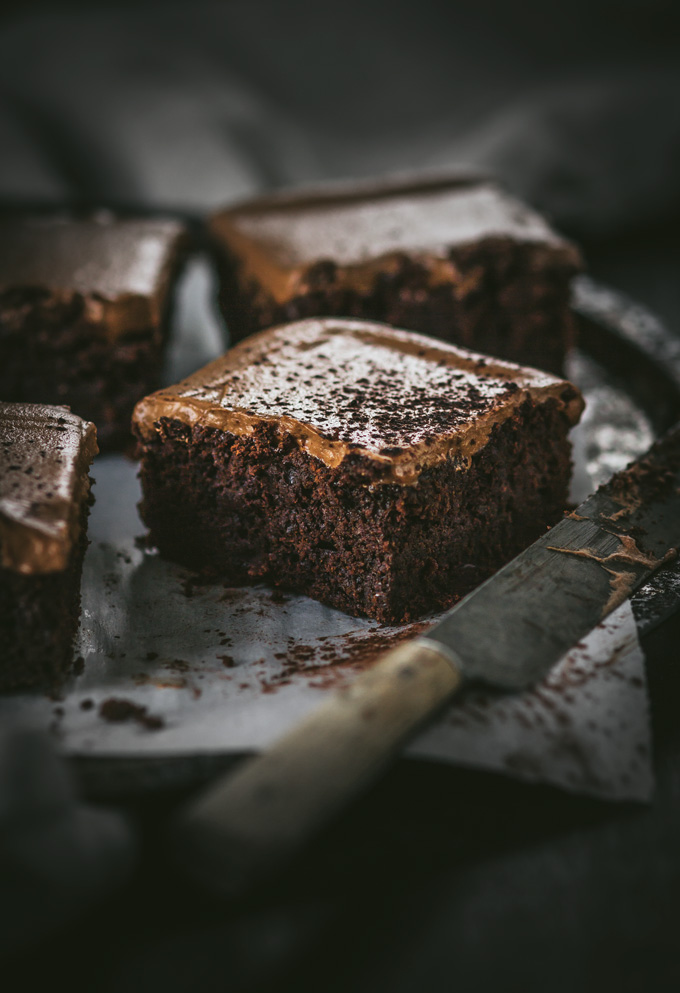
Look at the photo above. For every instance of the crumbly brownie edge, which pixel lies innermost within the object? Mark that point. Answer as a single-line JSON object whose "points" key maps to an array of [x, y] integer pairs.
{"points": [[254, 509], [50, 353], [39, 616], [513, 303]]}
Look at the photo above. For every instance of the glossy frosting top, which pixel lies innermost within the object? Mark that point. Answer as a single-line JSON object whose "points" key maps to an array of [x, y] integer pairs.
{"points": [[364, 229], [45, 454], [341, 387], [120, 266]]}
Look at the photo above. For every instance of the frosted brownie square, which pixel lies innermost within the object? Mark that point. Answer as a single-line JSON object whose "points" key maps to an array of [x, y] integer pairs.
{"points": [[455, 258], [45, 455], [84, 307], [374, 469]]}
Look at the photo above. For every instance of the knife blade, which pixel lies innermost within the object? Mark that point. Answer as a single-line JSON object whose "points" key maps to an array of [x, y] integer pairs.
{"points": [[508, 633]]}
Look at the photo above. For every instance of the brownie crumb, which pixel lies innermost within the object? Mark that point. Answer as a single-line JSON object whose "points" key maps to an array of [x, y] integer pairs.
{"points": [[117, 710], [86, 704], [177, 665]]}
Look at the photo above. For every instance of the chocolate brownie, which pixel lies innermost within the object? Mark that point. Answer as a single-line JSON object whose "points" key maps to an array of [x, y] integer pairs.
{"points": [[45, 455], [455, 258], [374, 469], [83, 312]]}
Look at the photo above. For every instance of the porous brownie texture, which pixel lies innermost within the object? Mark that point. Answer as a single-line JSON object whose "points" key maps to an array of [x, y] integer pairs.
{"points": [[455, 257], [45, 496], [256, 507], [84, 312], [518, 310], [52, 353], [39, 616]]}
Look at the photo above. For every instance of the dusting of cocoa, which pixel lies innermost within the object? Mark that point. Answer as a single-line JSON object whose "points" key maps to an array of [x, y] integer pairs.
{"points": [[330, 664]]}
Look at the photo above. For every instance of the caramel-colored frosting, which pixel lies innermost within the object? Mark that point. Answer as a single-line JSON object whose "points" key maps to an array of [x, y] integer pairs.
{"points": [[121, 267], [341, 387], [367, 230], [45, 454]]}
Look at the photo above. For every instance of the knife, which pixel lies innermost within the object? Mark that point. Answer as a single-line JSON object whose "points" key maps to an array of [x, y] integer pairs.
{"points": [[507, 633]]}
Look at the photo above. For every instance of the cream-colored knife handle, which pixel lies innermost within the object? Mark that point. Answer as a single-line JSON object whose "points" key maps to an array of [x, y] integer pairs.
{"points": [[253, 820]]}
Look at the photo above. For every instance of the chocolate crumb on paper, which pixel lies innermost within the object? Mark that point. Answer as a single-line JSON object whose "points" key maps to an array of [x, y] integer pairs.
{"points": [[117, 710], [330, 663]]}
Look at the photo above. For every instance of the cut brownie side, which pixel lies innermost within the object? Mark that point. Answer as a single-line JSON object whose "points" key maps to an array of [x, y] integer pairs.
{"points": [[39, 617], [252, 509], [84, 308], [458, 260], [366, 467], [45, 454]]}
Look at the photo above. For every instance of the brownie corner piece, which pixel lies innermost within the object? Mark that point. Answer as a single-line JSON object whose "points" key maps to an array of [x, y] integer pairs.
{"points": [[45, 456], [452, 257], [84, 311], [373, 469]]}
